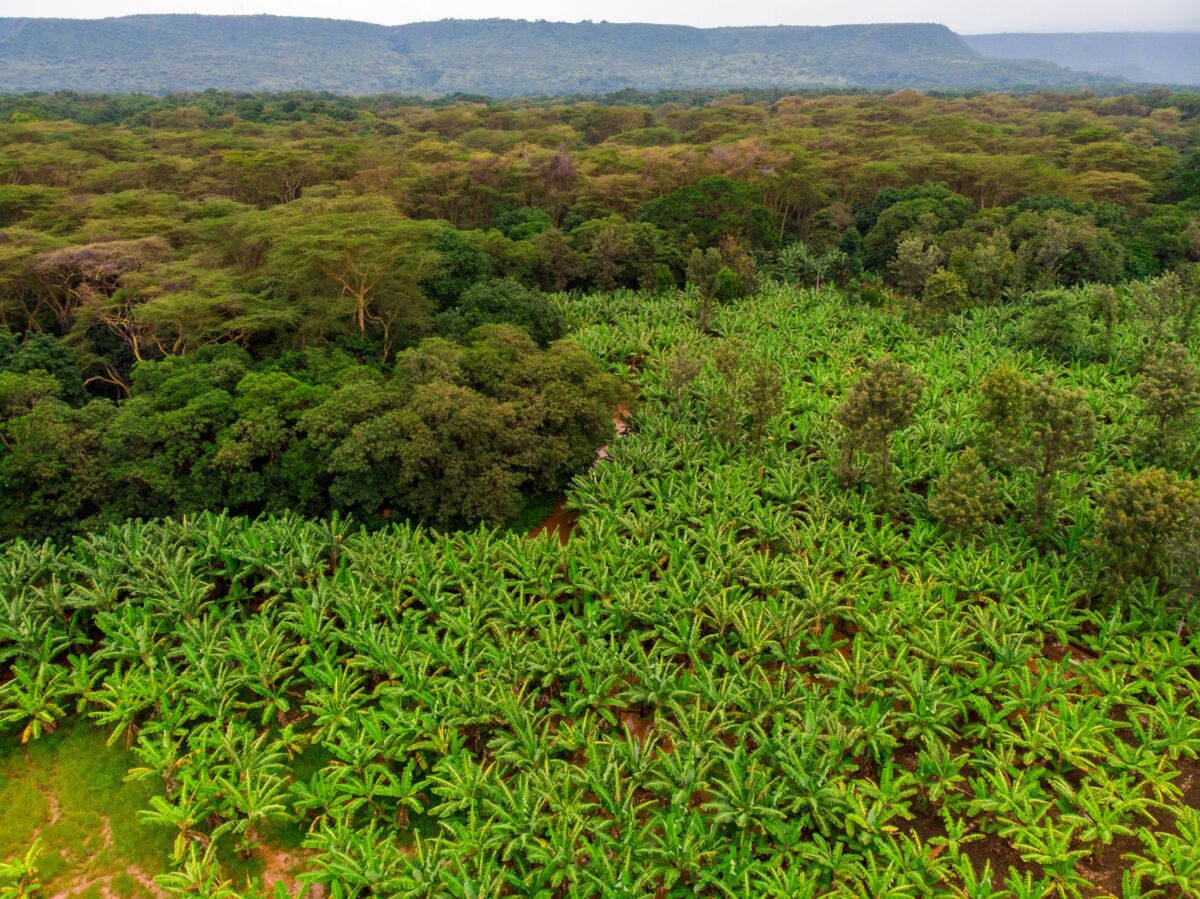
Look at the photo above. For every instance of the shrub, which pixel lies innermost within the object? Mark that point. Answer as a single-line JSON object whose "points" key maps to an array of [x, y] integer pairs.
{"points": [[945, 294], [1149, 529], [964, 498], [1169, 389], [880, 403], [1037, 426]]}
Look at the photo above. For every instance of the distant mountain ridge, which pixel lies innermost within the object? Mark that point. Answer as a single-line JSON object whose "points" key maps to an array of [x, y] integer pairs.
{"points": [[499, 57], [1163, 58]]}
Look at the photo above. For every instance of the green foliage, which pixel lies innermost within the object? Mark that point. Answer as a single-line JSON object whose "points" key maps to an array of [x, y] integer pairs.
{"points": [[915, 262], [19, 876], [751, 388], [1185, 178], [1059, 248], [504, 301], [1038, 426], [350, 265], [462, 263], [987, 267], [927, 210], [734, 678], [1169, 390], [681, 369], [944, 294], [880, 403], [619, 252], [964, 499], [703, 276], [1055, 321], [712, 208], [799, 263], [1149, 528], [207, 431]]}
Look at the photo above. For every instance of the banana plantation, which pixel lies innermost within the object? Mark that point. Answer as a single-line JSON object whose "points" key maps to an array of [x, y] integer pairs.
{"points": [[860, 605]]}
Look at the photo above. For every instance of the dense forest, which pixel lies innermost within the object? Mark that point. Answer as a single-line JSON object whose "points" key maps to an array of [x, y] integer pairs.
{"points": [[501, 57], [885, 586]]}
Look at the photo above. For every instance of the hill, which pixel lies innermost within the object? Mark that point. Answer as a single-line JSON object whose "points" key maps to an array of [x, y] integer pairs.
{"points": [[1137, 56], [166, 53]]}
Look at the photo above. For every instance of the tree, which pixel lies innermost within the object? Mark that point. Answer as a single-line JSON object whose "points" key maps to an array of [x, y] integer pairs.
{"points": [[1184, 182], [987, 267], [555, 262], [764, 395], [1054, 321], [52, 469], [265, 177], [1062, 429], [1002, 409], [936, 210], [703, 270], [462, 263], [1038, 426], [681, 368], [964, 499], [504, 301], [944, 294], [44, 352], [1149, 528], [361, 262], [1169, 390], [1058, 248], [916, 260], [710, 209], [88, 274], [617, 252], [880, 403]]}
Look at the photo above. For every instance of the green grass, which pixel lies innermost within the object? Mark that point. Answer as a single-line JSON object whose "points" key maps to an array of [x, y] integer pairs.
{"points": [[70, 788]]}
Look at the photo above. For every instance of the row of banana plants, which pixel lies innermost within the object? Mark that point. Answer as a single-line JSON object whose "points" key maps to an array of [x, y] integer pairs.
{"points": [[737, 678]]}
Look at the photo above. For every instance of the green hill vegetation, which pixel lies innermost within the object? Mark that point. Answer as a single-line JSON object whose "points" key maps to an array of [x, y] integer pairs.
{"points": [[499, 57], [885, 586]]}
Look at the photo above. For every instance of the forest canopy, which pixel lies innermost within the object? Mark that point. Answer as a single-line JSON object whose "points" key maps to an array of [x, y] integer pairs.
{"points": [[187, 260]]}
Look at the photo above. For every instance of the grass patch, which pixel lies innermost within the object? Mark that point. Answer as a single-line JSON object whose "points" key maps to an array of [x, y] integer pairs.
{"points": [[70, 789]]}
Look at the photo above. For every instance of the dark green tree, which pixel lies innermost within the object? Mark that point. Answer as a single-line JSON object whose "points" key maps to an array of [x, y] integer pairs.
{"points": [[711, 209]]}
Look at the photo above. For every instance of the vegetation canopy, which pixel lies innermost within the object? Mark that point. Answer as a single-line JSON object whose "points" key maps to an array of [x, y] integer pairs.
{"points": [[870, 429]]}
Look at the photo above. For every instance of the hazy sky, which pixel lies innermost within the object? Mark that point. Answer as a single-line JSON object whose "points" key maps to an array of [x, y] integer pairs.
{"points": [[964, 16]]}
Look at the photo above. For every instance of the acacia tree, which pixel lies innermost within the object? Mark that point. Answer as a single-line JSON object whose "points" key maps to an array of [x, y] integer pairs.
{"points": [[367, 258], [89, 274]]}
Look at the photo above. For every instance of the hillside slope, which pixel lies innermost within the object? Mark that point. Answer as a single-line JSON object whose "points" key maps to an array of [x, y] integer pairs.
{"points": [[500, 57], [1137, 56]]}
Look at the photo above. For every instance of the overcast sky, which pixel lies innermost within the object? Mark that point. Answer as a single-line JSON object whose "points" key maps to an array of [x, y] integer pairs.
{"points": [[964, 16]]}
